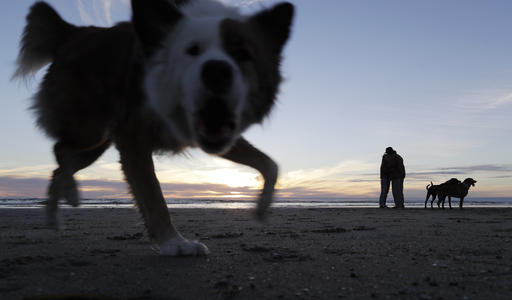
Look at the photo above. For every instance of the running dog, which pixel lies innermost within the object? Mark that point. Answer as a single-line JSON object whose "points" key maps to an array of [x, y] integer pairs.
{"points": [[180, 74], [432, 190], [459, 190]]}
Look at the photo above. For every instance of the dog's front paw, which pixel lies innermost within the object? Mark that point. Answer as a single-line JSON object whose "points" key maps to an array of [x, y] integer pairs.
{"points": [[179, 246], [52, 220], [70, 192], [264, 203]]}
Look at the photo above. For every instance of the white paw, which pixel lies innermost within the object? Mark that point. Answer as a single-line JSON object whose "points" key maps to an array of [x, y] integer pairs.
{"points": [[179, 246]]}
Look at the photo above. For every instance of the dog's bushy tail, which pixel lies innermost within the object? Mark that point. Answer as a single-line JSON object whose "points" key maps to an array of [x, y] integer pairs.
{"points": [[44, 33]]}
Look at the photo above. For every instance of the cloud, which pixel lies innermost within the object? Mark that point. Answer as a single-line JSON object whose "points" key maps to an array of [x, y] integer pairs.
{"points": [[485, 100], [98, 12], [464, 170], [201, 176], [483, 168], [12, 187], [31, 187], [352, 179], [316, 188], [17, 187], [28, 171], [107, 5], [243, 2], [84, 14], [502, 177], [501, 101]]}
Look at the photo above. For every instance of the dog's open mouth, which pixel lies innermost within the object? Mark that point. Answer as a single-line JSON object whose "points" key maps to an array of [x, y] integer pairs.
{"points": [[215, 127], [214, 139]]}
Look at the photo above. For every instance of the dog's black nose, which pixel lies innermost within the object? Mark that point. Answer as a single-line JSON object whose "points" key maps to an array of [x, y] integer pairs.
{"points": [[217, 76]]}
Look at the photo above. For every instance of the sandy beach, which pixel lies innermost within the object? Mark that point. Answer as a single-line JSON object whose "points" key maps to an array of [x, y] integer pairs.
{"points": [[348, 253]]}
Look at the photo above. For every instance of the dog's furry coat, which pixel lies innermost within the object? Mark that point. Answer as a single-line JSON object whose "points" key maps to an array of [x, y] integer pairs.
{"points": [[459, 190], [432, 190], [195, 75]]}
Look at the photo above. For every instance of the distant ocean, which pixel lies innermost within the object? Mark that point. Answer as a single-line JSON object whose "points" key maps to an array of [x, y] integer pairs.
{"points": [[241, 204]]}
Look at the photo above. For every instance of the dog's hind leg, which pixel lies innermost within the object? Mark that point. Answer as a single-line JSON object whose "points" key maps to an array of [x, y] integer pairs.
{"points": [[428, 193], [244, 153], [450, 201], [432, 201], [63, 185]]}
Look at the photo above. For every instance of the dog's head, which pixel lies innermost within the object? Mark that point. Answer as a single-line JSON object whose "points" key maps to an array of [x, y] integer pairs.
{"points": [[470, 181], [210, 71]]}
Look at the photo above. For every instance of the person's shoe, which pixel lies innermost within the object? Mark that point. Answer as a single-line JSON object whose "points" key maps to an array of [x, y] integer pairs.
{"points": [[383, 206]]}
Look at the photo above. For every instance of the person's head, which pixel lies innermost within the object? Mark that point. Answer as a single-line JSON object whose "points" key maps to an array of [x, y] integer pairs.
{"points": [[390, 150]]}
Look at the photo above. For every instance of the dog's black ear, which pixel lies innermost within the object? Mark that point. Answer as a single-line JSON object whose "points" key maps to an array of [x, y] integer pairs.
{"points": [[275, 23], [152, 21]]}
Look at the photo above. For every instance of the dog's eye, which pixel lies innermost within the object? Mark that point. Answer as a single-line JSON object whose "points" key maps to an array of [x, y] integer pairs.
{"points": [[193, 49], [242, 54]]}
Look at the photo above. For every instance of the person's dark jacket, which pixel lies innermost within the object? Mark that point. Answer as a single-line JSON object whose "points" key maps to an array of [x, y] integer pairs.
{"points": [[384, 167], [392, 166]]}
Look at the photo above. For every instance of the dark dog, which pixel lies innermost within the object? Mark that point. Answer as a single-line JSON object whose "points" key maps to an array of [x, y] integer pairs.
{"points": [[432, 190], [180, 74], [455, 190]]}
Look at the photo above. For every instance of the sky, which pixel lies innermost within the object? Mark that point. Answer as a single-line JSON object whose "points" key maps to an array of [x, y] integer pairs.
{"points": [[432, 79]]}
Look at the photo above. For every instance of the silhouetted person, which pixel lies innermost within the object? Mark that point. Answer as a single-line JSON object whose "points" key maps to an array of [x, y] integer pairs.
{"points": [[392, 171]]}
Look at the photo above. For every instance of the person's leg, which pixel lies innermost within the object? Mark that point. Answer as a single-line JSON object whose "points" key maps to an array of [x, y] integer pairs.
{"points": [[384, 190], [398, 192], [402, 200]]}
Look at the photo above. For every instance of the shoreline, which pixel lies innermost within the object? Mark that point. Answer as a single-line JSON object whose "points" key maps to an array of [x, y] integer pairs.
{"points": [[249, 204], [305, 253]]}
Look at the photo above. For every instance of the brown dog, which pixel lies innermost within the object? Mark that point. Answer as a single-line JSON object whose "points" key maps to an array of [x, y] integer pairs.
{"points": [[455, 190], [432, 190]]}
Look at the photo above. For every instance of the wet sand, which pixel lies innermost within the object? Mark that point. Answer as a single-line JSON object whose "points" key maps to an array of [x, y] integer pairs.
{"points": [[345, 253]]}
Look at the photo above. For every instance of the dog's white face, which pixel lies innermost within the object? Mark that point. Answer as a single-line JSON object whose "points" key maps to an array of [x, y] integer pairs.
{"points": [[193, 71], [210, 76]]}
